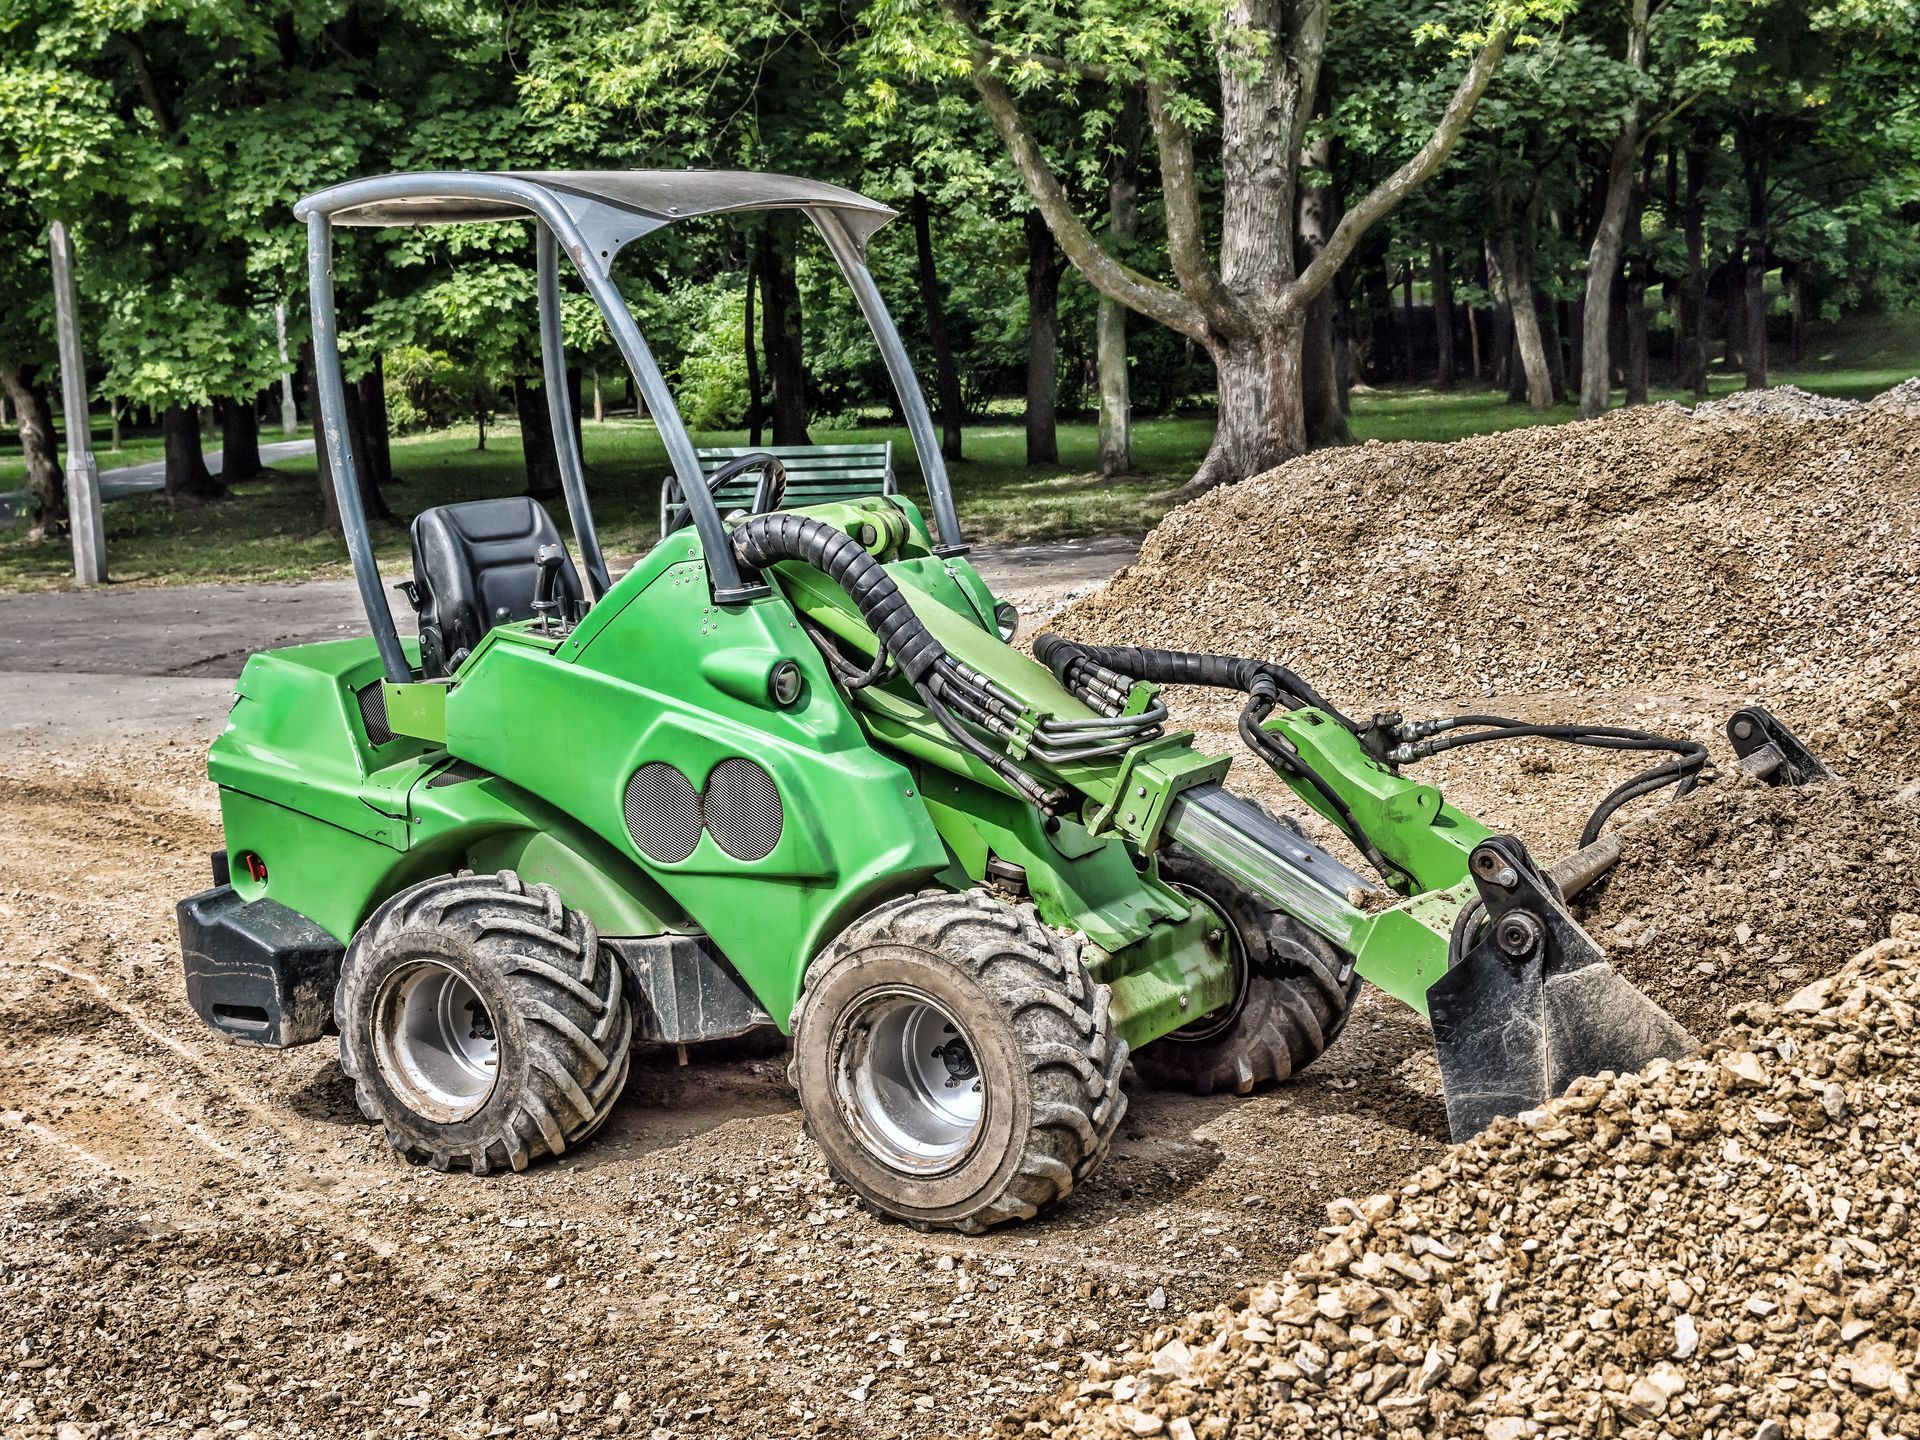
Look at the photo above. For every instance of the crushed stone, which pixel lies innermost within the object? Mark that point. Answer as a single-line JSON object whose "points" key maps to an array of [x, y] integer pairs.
{"points": [[1637, 551], [1743, 892], [1789, 401], [1718, 1247]]}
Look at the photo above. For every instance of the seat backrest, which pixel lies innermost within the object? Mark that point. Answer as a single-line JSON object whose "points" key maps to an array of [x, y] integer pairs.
{"points": [[816, 475], [474, 567]]}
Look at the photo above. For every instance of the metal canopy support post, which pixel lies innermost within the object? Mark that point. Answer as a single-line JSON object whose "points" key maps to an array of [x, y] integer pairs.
{"points": [[83, 475], [333, 423], [728, 589], [933, 466], [566, 444]]}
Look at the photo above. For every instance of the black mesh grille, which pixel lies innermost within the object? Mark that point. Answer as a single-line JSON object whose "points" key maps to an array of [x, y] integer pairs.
{"points": [[373, 713], [742, 808], [458, 773], [663, 813]]}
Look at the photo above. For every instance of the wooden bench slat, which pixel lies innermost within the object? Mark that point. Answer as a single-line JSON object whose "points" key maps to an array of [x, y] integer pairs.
{"points": [[816, 474]]}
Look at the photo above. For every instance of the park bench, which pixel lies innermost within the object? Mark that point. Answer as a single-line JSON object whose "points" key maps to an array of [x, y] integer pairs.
{"points": [[816, 475]]}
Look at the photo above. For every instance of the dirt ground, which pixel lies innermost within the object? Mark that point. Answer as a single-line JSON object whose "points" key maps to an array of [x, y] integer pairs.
{"points": [[200, 1239], [203, 1237]]}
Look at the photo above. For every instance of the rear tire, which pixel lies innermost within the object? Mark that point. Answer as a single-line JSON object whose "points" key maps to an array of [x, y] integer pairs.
{"points": [[1290, 1003], [956, 1064], [482, 1023]]}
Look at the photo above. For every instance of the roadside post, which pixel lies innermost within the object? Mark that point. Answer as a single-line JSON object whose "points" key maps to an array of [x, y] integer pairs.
{"points": [[83, 474]]}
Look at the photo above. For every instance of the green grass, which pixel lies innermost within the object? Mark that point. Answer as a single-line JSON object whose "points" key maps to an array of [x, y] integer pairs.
{"points": [[271, 530]]}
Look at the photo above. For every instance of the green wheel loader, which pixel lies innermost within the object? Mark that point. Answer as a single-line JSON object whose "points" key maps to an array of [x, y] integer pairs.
{"points": [[787, 770]]}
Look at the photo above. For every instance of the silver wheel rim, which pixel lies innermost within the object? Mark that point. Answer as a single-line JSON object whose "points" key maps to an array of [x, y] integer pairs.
{"points": [[907, 1081], [435, 1042]]}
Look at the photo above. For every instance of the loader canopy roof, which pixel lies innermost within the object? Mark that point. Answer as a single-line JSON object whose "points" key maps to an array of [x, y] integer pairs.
{"points": [[659, 197]]}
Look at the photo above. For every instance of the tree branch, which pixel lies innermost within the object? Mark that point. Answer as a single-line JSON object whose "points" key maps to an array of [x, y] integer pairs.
{"points": [[1186, 245], [149, 91], [1117, 282], [1381, 200], [1305, 51]]}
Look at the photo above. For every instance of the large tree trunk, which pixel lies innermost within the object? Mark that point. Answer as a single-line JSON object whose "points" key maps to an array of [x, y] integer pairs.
{"points": [[1442, 316], [781, 334], [1043, 342], [1603, 261], [1751, 141], [1262, 422], [1249, 306], [1693, 367], [46, 486], [1322, 393], [536, 442], [1514, 282], [376, 450], [1754, 354], [946, 371], [1634, 300], [756, 387], [240, 440], [187, 478], [1110, 319]]}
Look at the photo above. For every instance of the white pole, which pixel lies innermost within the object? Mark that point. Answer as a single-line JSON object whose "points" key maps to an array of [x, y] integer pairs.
{"points": [[289, 416], [83, 475]]}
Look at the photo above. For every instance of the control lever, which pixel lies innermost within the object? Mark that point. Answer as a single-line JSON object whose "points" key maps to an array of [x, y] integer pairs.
{"points": [[546, 585]]}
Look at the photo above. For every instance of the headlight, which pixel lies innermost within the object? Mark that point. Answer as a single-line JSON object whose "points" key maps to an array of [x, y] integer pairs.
{"points": [[1006, 620], [783, 685]]}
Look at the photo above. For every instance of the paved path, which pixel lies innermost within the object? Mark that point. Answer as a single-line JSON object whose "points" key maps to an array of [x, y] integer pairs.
{"points": [[125, 662], [152, 475]]}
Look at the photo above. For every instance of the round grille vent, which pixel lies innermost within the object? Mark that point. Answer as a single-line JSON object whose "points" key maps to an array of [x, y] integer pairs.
{"points": [[742, 808], [663, 813]]}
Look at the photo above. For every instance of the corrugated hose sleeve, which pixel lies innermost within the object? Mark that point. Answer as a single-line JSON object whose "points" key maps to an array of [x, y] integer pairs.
{"points": [[767, 539]]}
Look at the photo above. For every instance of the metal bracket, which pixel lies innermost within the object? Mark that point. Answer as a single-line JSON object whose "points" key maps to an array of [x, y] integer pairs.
{"points": [[1769, 751], [1533, 1004]]}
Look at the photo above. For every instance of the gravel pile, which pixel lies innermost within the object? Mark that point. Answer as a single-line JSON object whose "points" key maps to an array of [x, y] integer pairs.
{"points": [[1789, 401], [1867, 724], [1640, 550], [1744, 893], [1721, 1247], [1904, 396]]}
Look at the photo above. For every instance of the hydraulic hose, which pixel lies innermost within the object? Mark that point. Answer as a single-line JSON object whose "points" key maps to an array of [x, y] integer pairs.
{"points": [[1102, 674], [1115, 667], [764, 540], [1069, 659]]}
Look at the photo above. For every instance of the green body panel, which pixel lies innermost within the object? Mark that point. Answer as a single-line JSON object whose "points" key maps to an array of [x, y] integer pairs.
{"points": [[570, 723], [1178, 973], [1413, 826], [1403, 949]]}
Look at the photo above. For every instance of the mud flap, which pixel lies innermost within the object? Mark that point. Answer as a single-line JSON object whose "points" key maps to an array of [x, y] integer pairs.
{"points": [[1532, 1004]]}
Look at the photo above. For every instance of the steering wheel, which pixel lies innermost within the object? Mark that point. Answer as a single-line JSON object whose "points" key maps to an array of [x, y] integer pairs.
{"points": [[768, 491]]}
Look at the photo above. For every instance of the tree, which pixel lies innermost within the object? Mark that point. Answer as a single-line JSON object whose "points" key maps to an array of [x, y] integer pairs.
{"points": [[26, 349], [1247, 303]]}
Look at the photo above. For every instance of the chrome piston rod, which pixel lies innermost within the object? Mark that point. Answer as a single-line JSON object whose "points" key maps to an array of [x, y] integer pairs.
{"points": [[1246, 844]]}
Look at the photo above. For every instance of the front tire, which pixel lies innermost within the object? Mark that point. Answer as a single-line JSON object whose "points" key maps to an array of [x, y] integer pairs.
{"points": [[1290, 1002], [955, 1062], [483, 1023]]}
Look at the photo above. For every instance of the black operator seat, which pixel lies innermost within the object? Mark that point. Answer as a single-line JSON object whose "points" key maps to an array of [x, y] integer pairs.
{"points": [[474, 567]]}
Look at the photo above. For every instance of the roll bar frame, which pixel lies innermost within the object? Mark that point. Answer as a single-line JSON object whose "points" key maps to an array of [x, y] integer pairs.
{"points": [[592, 232]]}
